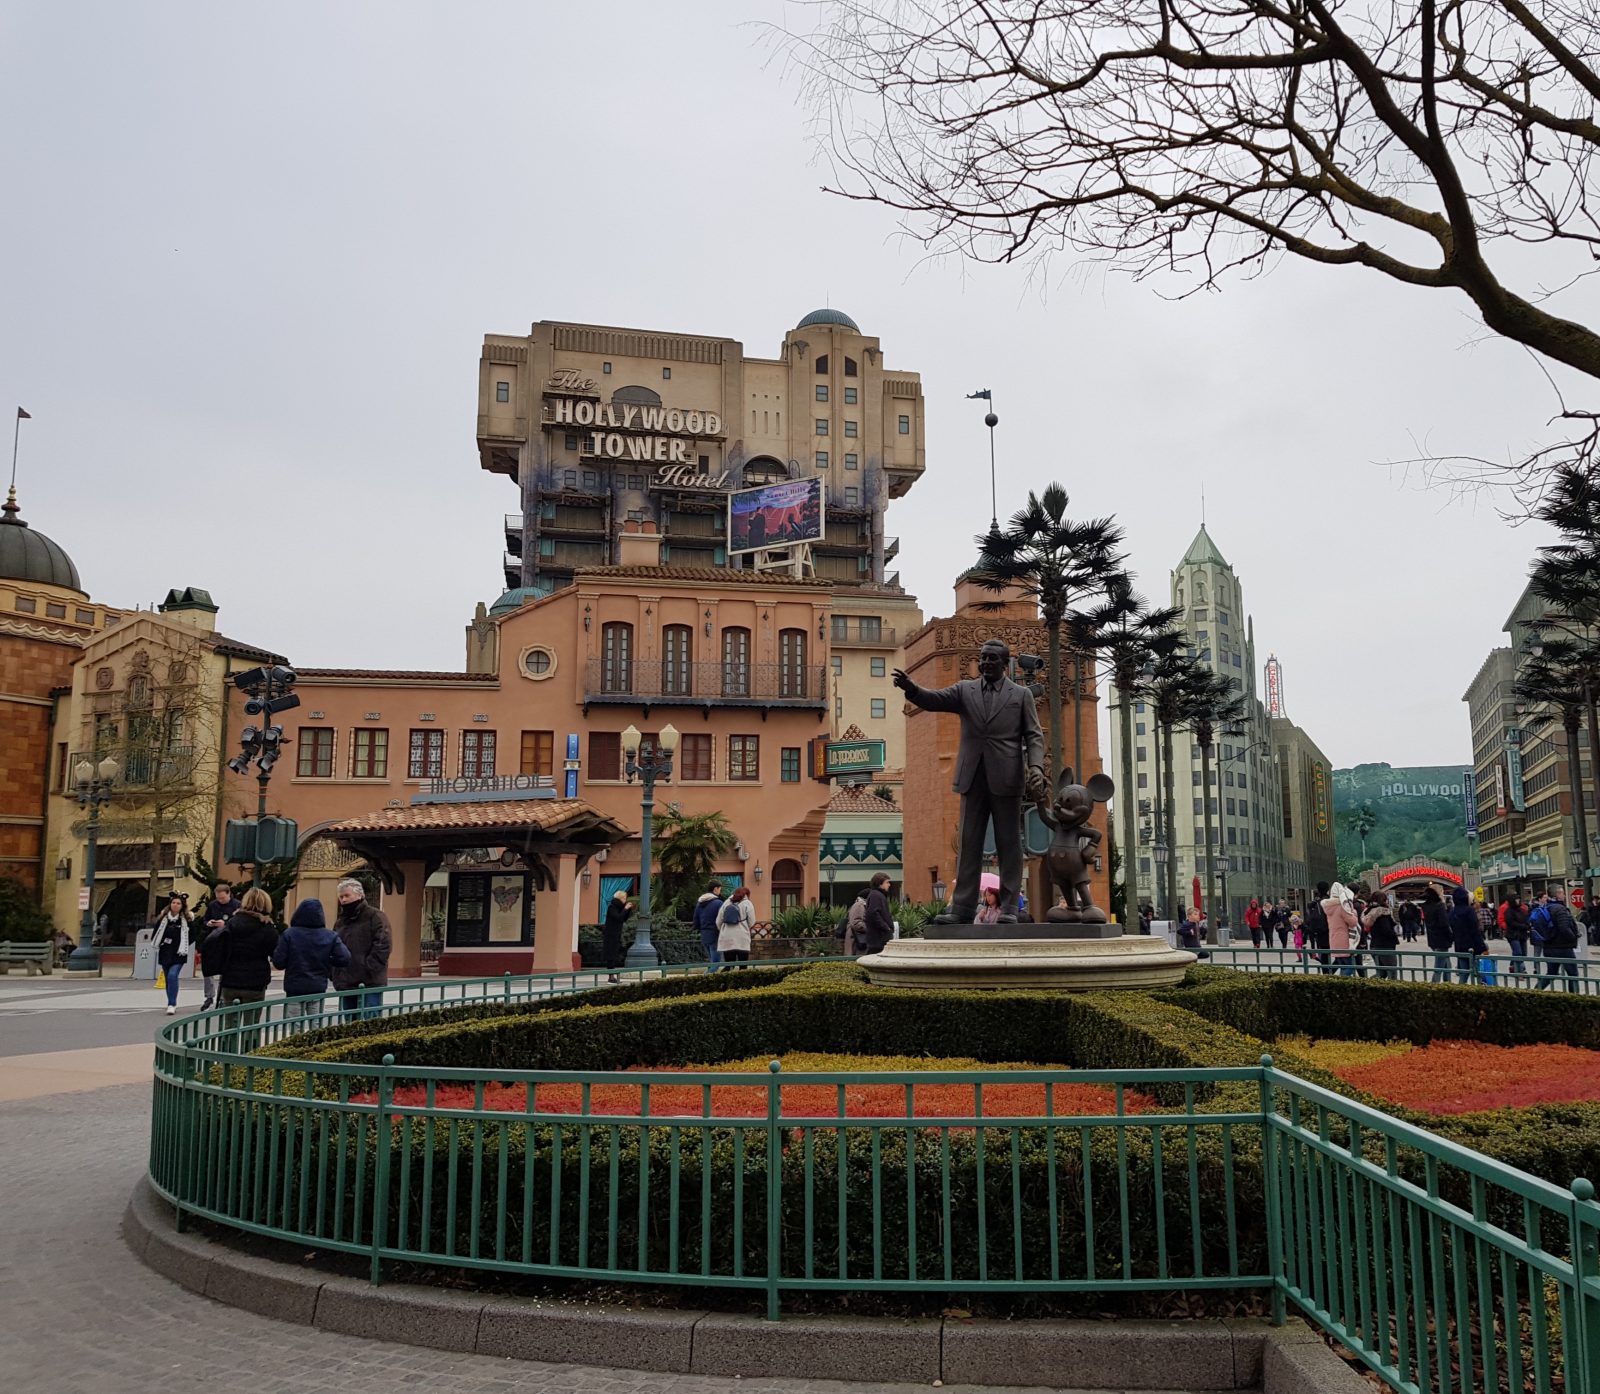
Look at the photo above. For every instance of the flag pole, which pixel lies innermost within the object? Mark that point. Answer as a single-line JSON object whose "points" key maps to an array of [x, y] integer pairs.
{"points": [[16, 436]]}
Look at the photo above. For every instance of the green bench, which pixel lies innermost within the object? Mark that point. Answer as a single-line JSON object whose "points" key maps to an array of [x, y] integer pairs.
{"points": [[34, 958]]}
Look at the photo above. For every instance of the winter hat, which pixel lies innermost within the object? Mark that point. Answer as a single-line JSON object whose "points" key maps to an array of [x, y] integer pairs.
{"points": [[308, 915], [1459, 896]]}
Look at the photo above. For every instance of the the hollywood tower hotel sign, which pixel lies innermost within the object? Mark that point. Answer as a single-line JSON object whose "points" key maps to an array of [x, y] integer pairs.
{"points": [[633, 432]]}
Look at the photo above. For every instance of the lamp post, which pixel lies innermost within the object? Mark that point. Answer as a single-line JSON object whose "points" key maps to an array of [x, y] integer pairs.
{"points": [[656, 765], [939, 889], [832, 873], [1160, 853], [94, 784], [1223, 868]]}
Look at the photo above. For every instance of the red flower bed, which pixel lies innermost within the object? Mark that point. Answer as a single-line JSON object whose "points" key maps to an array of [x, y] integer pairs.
{"points": [[799, 1100], [1469, 1077]]}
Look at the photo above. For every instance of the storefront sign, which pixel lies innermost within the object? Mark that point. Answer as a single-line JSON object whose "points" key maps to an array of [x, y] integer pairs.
{"points": [[1514, 768], [1469, 798], [1499, 789], [1421, 873], [644, 434], [852, 757], [1319, 796], [487, 789], [568, 380]]}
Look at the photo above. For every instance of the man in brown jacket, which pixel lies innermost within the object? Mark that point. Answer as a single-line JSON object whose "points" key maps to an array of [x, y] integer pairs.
{"points": [[365, 931]]}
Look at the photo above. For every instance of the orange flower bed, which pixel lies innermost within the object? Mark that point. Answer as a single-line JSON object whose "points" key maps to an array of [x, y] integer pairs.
{"points": [[1469, 1077], [798, 1100]]}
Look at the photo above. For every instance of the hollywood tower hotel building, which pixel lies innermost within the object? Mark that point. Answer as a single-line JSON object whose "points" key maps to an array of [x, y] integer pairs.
{"points": [[602, 427]]}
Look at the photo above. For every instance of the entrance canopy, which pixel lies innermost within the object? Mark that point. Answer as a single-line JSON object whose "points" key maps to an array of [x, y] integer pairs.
{"points": [[537, 830]]}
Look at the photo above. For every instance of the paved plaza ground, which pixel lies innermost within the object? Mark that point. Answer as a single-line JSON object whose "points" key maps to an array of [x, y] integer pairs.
{"points": [[78, 1312]]}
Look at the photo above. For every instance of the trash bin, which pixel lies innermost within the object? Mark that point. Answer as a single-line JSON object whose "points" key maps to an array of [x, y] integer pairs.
{"points": [[1224, 936], [144, 955]]}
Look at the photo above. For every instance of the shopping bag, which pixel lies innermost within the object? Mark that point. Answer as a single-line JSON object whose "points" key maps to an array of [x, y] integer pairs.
{"points": [[1486, 971], [161, 979]]}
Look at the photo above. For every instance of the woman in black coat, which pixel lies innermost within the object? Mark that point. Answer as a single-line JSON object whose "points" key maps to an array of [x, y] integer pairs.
{"points": [[1436, 925], [172, 946], [611, 932]]}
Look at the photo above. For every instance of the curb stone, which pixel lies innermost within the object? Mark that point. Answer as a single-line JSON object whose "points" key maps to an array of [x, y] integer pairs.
{"points": [[1231, 1353]]}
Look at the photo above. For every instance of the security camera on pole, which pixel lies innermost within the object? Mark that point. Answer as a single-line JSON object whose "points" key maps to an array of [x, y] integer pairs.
{"points": [[262, 839]]}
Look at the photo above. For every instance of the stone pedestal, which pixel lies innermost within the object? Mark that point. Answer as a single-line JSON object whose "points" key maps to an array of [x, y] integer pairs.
{"points": [[1055, 963]]}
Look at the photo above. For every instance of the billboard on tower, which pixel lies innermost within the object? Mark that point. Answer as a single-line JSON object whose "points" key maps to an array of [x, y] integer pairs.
{"points": [[775, 515]]}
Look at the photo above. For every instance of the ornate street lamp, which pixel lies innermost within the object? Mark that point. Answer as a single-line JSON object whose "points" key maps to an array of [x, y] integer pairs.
{"points": [[939, 889], [832, 873], [1223, 867], [94, 784], [1160, 854], [656, 765]]}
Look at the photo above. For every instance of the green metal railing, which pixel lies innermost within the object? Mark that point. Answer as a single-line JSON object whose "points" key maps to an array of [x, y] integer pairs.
{"points": [[1409, 965], [1442, 1269]]}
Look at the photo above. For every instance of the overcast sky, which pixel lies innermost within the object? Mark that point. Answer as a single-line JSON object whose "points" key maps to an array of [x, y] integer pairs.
{"points": [[250, 253]]}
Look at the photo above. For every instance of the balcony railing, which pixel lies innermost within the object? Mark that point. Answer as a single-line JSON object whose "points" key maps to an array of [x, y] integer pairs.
{"points": [[707, 684], [864, 636], [141, 768]]}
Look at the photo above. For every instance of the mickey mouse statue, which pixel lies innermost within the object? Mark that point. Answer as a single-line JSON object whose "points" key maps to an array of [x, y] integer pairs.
{"points": [[1073, 844]]}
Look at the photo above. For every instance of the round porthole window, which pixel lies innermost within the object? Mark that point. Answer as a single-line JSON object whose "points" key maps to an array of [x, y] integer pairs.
{"points": [[538, 663]]}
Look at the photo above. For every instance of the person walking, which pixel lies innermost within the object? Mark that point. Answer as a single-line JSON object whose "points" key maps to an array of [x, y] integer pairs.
{"points": [[1282, 922], [1410, 920], [855, 923], [707, 913], [734, 924], [308, 952], [1436, 925], [172, 946], [611, 933], [219, 910], [1339, 917], [1514, 924], [1315, 924], [1379, 924], [989, 906], [1252, 920], [879, 924], [366, 934], [1466, 934], [241, 953], [1560, 943]]}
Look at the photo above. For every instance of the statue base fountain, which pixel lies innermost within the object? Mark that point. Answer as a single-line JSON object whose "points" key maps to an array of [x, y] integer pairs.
{"points": [[1055, 962]]}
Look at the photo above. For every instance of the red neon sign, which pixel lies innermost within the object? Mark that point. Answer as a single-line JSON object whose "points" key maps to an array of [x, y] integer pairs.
{"points": [[1421, 873]]}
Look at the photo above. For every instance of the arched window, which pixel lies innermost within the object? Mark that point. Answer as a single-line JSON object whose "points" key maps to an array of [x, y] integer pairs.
{"points": [[735, 662], [849, 367], [788, 884], [616, 657], [676, 648], [822, 363], [792, 663]]}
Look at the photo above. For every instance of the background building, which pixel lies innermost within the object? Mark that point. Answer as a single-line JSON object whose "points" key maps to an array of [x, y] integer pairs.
{"points": [[1247, 824], [46, 617], [1415, 811], [598, 425], [1305, 794]]}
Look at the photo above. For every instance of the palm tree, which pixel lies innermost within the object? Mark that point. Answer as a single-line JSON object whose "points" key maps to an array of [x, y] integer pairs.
{"points": [[1558, 683], [1210, 701], [1169, 685], [1129, 640], [1365, 820], [1045, 555], [689, 846]]}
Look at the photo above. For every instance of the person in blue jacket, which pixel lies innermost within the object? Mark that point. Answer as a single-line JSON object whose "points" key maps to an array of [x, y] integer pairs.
{"points": [[308, 952]]}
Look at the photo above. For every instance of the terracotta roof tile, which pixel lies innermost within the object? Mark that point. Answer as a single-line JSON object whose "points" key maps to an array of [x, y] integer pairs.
{"points": [[541, 815], [220, 643], [719, 575], [396, 675], [855, 800]]}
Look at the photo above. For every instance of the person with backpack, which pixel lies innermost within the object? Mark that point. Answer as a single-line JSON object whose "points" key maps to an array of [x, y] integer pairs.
{"points": [[1314, 925], [1560, 942], [1379, 925], [1436, 925], [879, 923], [1340, 930], [855, 923], [734, 922], [707, 922]]}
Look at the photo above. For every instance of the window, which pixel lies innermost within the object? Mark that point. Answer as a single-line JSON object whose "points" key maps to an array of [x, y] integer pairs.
{"points": [[676, 640], [605, 368], [1230, 805], [880, 667], [822, 392], [477, 754], [369, 753], [1197, 808], [849, 428], [838, 707], [1203, 635], [55, 609], [605, 755], [1138, 706], [571, 441], [1138, 728], [1139, 753], [666, 374], [616, 657], [569, 479], [1228, 779], [87, 617], [735, 662], [315, 745], [837, 664], [905, 425], [26, 604], [822, 365], [591, 480], [1194, 776], [822, 459], [849, 396], [788, 764], [849, 367], [841, 627], [821, 426], [1236, 662], [872, 628], [880, 708], [1144, 781], [1244, 808], [791, 663], [538, 754], [1233, 835], [502, 391], [852, 461], [425, 758], [744, 757], [852, 496], [1222, 617], [694, 757]]}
